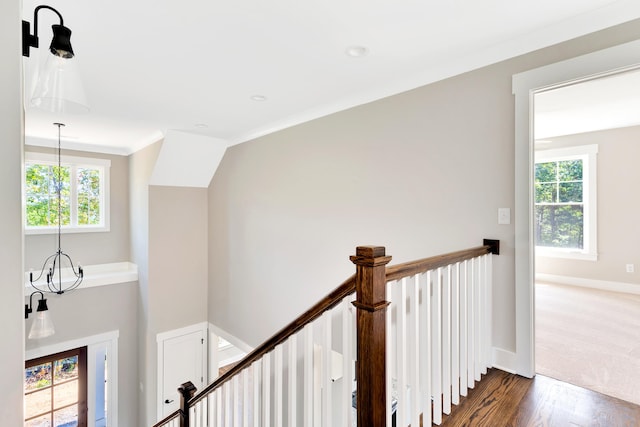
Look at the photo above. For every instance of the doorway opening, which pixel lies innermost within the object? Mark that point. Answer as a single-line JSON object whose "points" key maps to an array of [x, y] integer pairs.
{"points": [[587, 295]]}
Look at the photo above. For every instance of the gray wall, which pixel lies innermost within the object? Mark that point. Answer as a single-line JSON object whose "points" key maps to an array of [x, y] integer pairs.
{"points": [[92, 311], [140, 169], [90, 248], [421, 173], [11, 249], [618, 206]]}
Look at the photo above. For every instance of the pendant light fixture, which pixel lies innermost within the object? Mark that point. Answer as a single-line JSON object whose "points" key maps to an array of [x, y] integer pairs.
{"points": [[58, 279], [58, 87]]}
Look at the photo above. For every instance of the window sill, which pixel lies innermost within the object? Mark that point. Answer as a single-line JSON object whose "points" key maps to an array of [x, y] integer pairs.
{"points": [[66, 230], [565, 254], [97, 275]]}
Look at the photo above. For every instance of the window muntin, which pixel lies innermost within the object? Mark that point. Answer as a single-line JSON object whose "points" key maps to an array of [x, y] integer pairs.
{"points": [[83, 188], [565, 202], [55, 389]]}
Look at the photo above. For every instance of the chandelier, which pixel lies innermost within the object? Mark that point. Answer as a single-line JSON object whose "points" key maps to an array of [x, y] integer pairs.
{"points": [[59, 279]]}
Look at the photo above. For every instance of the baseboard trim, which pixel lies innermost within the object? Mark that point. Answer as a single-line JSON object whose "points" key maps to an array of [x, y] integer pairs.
{"points": [[604, 285], [504, 360]]}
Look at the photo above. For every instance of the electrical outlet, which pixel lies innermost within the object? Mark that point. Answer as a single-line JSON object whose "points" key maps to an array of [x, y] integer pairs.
{"points": [[504, 216], [631, 268]]}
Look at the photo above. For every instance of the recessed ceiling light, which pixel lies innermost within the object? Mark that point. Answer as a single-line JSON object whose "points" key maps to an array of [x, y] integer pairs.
{"points": [[258, 98], [356, 51], [201, 125]]}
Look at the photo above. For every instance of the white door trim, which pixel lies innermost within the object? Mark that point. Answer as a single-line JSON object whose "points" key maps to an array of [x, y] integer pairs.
{"points": [[160, 339], [604, 62]]}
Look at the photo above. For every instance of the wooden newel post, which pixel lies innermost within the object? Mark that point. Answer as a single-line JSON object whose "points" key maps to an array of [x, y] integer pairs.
{"points": [[186, 390], [371, 302]]}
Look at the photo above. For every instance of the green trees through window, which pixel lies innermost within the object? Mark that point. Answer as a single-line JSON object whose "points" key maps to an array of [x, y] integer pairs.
{"points": [[82, 191], [559, 204]]}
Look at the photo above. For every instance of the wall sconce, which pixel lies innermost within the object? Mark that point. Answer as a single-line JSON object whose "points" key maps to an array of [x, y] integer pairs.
{"points": [[58, 87], [42, 325]]}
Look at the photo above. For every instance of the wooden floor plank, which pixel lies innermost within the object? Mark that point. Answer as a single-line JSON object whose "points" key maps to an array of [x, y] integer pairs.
{"points": [[506, 400]]}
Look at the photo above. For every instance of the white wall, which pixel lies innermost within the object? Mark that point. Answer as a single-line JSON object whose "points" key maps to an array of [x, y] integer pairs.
{"points": [[421, 173], [11, 249]]}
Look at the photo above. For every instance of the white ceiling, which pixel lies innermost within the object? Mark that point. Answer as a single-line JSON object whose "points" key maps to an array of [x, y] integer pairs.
{"points": [[602, 103], [150, 66]]}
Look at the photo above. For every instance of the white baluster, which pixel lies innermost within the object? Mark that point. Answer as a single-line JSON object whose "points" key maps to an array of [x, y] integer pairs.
{"points": [[326, 370], [256, 407], [347, 357], [266, 390], [426, 342], [401, 351], [414, 298], [446, 341], [293, 378], [277, 373], [219, 407], [245, 397], [436, 372], [463, 328], [477, 349], [390, 345], [471, 285], [455, 334], [308, 375], [227, 403]]}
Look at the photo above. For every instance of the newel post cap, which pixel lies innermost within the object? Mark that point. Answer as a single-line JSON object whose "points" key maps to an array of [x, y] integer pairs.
{"points": [[370, 256]]}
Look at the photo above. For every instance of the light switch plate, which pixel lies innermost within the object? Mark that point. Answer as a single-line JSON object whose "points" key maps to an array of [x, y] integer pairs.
{"points": [[504, 215]]}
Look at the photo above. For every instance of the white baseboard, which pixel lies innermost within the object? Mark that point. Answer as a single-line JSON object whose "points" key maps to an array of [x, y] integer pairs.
{"points": [[504, 360], [605, 285]]}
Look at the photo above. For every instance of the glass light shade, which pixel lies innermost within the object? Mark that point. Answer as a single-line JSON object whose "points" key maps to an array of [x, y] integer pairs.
{"points": [[42, 326], [59, 88]]}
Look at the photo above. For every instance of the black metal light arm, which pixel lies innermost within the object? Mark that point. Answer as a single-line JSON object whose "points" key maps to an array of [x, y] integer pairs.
{"points": [[42, 304], [60, 44]]}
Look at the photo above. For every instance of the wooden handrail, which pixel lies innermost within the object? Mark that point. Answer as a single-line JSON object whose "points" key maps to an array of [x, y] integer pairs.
{"points": [[165, 420], [328, 302], [396, 272]]}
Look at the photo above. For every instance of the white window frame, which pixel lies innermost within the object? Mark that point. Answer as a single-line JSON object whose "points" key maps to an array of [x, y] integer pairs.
{"points": [[74, 163], [588, 155]]}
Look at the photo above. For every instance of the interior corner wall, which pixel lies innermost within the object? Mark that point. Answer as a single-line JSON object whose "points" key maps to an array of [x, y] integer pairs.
{"points": [[617, 209], [11, 228], [169, 245], [140, 168], [422, 173]]}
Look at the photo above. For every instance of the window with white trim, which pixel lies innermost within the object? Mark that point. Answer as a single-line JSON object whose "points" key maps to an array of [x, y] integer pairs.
{"points": [[84, 190], [565, 202]]}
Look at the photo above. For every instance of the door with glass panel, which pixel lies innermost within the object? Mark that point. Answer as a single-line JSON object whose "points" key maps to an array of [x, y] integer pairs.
{"points": [[55, 390]]}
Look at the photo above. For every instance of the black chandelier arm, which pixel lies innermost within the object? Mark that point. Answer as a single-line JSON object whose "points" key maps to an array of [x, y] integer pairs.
{"points": [[51, 264]]}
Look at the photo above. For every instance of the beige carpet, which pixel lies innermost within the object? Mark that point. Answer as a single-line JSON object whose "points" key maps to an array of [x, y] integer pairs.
{"points": [[589, 338]]}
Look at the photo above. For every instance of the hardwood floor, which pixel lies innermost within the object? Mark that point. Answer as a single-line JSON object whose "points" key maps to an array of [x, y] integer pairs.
{"points": [[502, 399]]}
